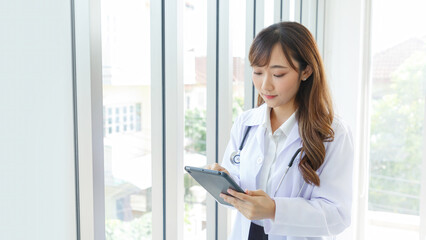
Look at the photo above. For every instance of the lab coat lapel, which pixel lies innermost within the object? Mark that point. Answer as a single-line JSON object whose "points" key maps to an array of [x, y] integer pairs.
{"points": [[260, 137], [256, 119], [292, 143], [293, 136], [254, 149]]}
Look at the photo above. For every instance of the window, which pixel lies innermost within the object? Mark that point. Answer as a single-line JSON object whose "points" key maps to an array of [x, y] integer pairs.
{"points": [[195, 94], [126, 92], [398, 74], [237, 21]]}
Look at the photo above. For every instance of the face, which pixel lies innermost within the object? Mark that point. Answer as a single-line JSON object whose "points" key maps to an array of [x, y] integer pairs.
{"points": [[278, 83]]}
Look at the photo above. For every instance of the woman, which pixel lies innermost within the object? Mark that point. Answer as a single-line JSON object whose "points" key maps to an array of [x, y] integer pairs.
{"points": [[313, 199]]}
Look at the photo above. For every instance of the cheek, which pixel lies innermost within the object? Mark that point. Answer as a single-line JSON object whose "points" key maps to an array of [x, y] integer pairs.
{"points": [[257, 82], [289, 86]]}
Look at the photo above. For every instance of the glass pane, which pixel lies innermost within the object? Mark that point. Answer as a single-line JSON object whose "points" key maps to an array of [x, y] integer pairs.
{"points": [[268, 13], [127, 128], [292, 7], [195, 98], [397, 117], [237, 21]]}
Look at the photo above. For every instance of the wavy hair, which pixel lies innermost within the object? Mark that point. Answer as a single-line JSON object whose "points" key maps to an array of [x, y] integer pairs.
{"points": [[313, 100]]}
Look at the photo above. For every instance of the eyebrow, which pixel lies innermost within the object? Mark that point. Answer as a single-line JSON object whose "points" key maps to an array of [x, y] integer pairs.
{"points": [[277, 66]]}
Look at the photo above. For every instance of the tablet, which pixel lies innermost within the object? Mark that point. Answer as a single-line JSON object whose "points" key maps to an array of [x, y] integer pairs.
{"points": [[215, 182]]}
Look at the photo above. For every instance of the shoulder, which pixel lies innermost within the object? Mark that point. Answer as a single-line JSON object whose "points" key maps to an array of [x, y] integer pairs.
{"points": [[339, 126], [252, 116], [342, 131]]}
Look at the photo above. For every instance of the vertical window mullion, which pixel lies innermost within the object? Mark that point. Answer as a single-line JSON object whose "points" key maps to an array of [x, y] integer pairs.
{"points": [[297, 11], [285, 10], [211, 121], [309, 15], [360, 198], [90, 132], [320, 22], [224, 101], [157, 120], [260, 15], [422, 227], [259, 24], [173, 118], [249, 99], [277, 10]]}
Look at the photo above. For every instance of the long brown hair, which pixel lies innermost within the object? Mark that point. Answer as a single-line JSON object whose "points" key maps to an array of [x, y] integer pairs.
{"points": [[315, 109]]}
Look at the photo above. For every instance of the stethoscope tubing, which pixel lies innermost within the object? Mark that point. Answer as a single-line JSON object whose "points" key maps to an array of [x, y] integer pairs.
{"points": [[288, 167], [236, 155]]}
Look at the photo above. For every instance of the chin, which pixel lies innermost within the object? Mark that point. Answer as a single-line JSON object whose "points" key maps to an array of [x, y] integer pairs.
{"points": [[274, 104], [271, 104]]}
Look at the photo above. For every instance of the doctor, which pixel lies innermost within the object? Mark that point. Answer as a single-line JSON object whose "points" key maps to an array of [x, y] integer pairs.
{"points": [[312, 200]]}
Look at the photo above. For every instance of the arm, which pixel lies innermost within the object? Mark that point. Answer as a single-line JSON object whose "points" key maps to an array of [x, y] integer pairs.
{"points": [[233, 144], [232, 170], [328, 212]]}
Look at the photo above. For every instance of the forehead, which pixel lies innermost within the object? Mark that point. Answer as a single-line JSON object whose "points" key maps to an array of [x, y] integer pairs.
{"points": [[277, 57]]}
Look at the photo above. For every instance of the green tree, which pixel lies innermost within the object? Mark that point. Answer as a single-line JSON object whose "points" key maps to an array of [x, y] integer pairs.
{"points": [[138, 228], [195, 126], [195, 130], [396, 140]]}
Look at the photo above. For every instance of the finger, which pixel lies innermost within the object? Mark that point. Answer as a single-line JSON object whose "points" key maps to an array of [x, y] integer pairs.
{"points": [[209, 166], [216, 166], [256, 193], [231, 200], [239, 195]]}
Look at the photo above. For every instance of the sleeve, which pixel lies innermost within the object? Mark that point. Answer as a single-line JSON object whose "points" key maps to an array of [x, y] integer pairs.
{"points": [[328, 211], [232, 146]]}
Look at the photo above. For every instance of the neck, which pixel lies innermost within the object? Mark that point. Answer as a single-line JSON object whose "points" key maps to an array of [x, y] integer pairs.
{"points": [[280, 114]]}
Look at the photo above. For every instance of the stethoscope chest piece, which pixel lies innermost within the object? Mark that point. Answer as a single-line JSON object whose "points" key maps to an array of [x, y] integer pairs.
{"points": [[235, 157]]}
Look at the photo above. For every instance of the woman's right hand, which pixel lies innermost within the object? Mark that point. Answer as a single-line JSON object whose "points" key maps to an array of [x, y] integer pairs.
{"points": [[217, 167]]}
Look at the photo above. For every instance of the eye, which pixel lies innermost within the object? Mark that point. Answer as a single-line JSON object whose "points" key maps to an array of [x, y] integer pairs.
{"points": [[257, 73], [278, 76]]}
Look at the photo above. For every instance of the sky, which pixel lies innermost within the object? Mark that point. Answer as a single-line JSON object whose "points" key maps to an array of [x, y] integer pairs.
{"points": [[394, 21]]}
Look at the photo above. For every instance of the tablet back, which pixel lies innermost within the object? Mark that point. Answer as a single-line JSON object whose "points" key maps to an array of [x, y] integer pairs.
{"points": [[215, 182]]}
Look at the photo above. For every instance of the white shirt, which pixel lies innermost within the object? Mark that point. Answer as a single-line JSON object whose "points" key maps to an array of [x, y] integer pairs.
{"points": [[302, 213], [274, 142]]}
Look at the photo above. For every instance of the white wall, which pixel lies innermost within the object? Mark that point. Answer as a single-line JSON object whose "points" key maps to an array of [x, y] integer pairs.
{"points": [[342, 56], [37, 192], [343, 38]]}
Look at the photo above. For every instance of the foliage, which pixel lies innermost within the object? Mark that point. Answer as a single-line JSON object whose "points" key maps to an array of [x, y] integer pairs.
{"points": [[138, 228], [397, 138], [195, 130], [195, 126], [237, 107]]}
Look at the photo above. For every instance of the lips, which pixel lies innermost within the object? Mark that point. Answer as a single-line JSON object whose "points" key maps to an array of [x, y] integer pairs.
{"points": [[269, 96]]}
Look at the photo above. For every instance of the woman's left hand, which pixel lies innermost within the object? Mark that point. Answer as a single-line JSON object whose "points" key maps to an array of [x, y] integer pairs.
{"points": [[254, 205]]}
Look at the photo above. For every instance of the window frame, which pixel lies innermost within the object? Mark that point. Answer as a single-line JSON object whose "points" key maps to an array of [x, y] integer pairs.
{"points": [[167, 169]]}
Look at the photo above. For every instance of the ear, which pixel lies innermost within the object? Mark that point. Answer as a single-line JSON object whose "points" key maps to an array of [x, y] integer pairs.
{"points": [[306, 73]]}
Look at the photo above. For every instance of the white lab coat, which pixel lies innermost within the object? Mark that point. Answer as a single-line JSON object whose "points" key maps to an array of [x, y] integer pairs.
{"points": [[319, 212]]}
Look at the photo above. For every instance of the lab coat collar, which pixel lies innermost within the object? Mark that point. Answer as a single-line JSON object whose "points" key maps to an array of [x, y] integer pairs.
{"points": [[285, 128], [257, 118], [294, 136]]}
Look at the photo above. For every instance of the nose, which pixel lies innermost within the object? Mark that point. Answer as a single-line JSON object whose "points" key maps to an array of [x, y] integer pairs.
{"points": [[267, 84]]}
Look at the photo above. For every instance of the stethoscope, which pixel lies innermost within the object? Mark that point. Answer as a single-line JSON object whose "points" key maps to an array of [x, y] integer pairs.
{"points": [[235, 159]]}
